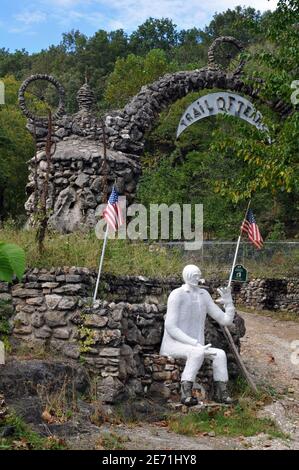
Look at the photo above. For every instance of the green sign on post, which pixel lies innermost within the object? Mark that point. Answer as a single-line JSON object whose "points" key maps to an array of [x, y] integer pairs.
{"points": [[240, 273]]}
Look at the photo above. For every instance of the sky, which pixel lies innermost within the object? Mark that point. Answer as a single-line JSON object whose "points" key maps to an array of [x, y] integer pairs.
{"points": [[36, 24]]}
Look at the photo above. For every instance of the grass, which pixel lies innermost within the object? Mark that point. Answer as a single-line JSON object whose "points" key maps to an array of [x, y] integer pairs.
{"points": [[59, 405], [280, 265], [77, 249], [23, 438], [265, 395], [6, 311], [124, 257], [237, 421], [32, 351], [241, 420], [111, 441]]}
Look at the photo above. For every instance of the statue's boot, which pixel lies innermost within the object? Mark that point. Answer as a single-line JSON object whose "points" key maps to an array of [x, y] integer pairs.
{"points": [[186, 394], [221, 394]]}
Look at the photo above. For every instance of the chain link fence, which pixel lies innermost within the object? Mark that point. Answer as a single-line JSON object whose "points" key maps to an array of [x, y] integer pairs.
{"points": [[275, 259]]}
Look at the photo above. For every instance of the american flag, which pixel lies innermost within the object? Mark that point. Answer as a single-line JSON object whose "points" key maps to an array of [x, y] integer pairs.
{"points": [[250, 227], [112, 212]]}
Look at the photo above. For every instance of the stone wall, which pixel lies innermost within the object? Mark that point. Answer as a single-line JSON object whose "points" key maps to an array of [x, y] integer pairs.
{"points": [[127, 128], [269, 294], [259, 294]]}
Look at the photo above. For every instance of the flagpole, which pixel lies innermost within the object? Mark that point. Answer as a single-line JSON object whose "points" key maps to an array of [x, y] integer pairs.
{"points": [[225, 329], [101, 264], [237, 248]]}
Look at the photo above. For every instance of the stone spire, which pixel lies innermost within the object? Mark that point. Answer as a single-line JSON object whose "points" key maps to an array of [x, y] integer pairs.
{"points": [[85, 98]]}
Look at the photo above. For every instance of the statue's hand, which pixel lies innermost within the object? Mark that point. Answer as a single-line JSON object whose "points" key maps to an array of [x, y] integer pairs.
{"points": [[225, 295]]}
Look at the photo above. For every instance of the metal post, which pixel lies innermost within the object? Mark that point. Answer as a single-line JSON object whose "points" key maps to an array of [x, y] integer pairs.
{"points": [[237, 248]]}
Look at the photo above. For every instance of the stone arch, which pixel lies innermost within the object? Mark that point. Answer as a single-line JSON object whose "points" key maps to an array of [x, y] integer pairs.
{"points": [[126, 129]]}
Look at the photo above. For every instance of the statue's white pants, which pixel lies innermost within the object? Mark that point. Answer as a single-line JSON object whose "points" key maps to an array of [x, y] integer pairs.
{"points": [[195, 355]]}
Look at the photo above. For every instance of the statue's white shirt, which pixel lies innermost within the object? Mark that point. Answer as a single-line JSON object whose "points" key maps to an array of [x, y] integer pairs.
{"points": [[187, 309]]}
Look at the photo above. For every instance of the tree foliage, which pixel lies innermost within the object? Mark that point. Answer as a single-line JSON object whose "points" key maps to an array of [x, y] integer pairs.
{"points": [[206, 165], [132, 72], [154, 34], [245, 24], [16, 148]]}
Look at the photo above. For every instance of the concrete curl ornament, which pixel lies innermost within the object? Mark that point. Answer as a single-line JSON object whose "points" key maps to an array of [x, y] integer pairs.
{"points": [[22, 100], [223, 52]]}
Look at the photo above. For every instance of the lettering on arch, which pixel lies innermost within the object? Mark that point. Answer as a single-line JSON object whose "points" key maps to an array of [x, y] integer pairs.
{"points": [[222, 103]]}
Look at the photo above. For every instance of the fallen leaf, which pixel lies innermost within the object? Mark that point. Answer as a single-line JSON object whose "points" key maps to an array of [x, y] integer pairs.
{"points": [[47, 417], [22, 444], [161, 424], [51, 440], [260, 403]]}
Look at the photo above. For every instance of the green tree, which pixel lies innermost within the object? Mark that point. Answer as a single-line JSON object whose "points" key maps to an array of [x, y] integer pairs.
{"points": [[154, 34], [274, 167], [132, 72], [16, 148], [243, 23], [190, 52], [17, 63], [221, 162]]}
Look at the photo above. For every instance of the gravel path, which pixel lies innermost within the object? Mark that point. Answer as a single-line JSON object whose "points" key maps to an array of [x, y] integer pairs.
{"points": [[267, 351]]}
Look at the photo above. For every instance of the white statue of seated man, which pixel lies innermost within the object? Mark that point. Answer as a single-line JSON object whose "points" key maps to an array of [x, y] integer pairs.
{"points": [[184, 337]]}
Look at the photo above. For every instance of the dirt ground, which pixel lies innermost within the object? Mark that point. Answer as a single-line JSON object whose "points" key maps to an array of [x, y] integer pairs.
{"points": [[266, 351]]}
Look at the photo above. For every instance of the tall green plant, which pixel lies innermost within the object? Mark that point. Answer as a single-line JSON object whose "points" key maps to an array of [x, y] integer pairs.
{"points": [[12, 261]]}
